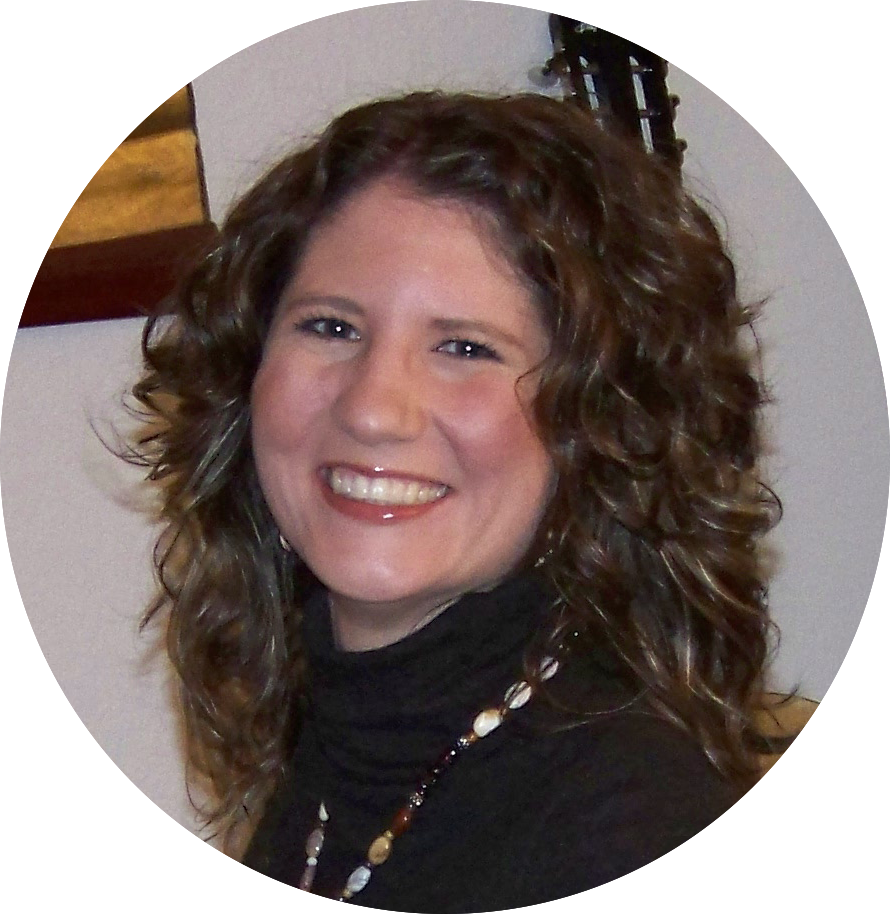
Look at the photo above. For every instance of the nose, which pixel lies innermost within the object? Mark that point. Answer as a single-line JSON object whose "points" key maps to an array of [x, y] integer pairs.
{"points": [[381, 397]]}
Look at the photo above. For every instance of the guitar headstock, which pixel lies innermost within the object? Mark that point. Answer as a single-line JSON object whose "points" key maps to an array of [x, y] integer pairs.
{"points": [[608, 73]]}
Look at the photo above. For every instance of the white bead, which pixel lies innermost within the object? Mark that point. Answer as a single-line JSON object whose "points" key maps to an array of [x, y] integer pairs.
{"points": [[486, 721], [322, 813], [548, 668], [517, 695], [358, 879]]}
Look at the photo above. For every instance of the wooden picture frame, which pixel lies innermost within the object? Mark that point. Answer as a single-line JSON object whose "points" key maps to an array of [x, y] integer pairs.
{"points": [[133, 231]]}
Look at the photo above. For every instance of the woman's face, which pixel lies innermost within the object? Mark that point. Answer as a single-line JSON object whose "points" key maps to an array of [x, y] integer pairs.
{"points": [[391, 418]]}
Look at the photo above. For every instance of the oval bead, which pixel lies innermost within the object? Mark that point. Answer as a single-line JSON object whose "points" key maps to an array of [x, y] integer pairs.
{"points": [[548, 668], [517, 695], [307, 878], [486, 721], [358, 879], [314, 842], [379, 850], [401, 820], [322, 813]]}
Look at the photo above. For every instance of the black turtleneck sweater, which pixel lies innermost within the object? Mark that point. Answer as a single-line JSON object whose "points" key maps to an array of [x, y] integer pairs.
{"points": [[544, 807]]}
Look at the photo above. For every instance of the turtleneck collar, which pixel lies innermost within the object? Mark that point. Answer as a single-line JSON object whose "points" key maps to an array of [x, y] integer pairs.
{"points": [[382, 716]]}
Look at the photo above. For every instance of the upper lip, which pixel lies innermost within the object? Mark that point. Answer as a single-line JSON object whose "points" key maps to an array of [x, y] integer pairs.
{"points": [[383, 472]]}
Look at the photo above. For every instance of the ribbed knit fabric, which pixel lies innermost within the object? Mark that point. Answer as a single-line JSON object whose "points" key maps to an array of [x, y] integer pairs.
{"points": [[544, 807]]}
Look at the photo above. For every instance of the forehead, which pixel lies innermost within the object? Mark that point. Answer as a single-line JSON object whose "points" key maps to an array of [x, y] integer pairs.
{"points": [[392, 219], [393, 211]]}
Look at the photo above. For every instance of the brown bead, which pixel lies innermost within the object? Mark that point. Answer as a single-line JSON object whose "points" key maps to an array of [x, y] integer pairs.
{"points": [[314, 842], [379, 850], [401, 821]]}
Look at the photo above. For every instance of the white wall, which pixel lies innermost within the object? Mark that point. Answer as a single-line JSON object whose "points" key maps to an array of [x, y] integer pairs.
{"points": [[829, 430], [81, 556]]}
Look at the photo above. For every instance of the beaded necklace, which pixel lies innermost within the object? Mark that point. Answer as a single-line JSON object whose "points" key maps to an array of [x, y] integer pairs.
{"points": [[485, 722]]}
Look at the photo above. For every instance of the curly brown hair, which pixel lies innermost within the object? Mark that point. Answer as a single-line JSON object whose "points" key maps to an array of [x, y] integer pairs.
{"points": [[647, 404]]}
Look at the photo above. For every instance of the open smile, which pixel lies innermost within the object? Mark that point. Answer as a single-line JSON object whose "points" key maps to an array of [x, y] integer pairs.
{"points": [[383, 490], [391, 490]]}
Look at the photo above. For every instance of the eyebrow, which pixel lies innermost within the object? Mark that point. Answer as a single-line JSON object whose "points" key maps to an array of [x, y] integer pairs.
{"points": [[451, 326], [337, 301]]}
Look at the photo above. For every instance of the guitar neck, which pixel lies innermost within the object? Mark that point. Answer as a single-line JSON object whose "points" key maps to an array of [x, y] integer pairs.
{"points": [[608, 73]]}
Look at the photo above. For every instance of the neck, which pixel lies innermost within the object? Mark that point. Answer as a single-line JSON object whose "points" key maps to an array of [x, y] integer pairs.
{"points": [[362, 626]]}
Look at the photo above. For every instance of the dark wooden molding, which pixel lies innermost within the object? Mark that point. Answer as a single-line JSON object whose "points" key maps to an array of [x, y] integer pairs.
{"points": [[125, 277]]}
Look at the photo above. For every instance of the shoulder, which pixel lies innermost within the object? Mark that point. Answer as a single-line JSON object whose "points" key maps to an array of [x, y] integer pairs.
{"points": [[624, 789], [622, 755], [648, 762]]}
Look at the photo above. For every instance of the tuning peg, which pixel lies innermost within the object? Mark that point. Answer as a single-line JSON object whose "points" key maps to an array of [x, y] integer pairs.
{"points": [[543, 77], [551, 73]]}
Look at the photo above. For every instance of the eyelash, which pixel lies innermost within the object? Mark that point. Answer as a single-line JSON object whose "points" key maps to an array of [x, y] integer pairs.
{"points": [[468, 349], [335, 329], [325, 327]]}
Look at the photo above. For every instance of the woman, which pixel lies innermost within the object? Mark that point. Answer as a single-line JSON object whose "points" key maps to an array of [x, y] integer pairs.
{"points": [[457, 445]]}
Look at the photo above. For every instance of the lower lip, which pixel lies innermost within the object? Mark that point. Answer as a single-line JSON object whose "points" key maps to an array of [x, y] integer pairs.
{"points": [[376, 514]]}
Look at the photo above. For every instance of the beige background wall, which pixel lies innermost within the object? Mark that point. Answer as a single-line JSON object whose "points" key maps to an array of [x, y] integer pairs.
{"points": [[80, 549]]}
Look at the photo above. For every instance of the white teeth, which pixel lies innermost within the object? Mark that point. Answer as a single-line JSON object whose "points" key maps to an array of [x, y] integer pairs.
{"points": [[382, 490]]}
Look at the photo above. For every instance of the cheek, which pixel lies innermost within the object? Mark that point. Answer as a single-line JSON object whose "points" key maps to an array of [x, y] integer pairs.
{"points": [[496, 441], [282, 404]]}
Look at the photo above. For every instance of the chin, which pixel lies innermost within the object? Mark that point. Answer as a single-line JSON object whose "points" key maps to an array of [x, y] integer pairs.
{"points": [[375, 585]]}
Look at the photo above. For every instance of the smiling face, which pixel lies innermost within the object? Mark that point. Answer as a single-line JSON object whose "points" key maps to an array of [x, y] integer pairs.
{"points": [[390, 419]]}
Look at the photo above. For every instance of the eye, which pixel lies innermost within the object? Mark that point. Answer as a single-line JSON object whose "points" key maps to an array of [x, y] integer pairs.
{"points": [[467, 349], [329, 327]]}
